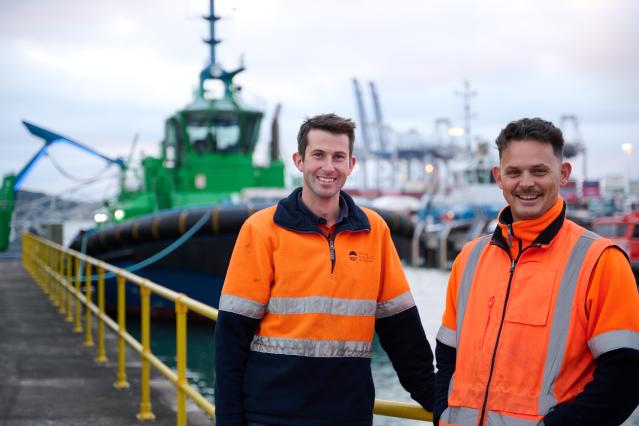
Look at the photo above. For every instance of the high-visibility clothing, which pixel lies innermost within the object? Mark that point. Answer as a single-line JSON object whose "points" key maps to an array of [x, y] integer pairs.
{"points": [[528, 320], [310, 304]]}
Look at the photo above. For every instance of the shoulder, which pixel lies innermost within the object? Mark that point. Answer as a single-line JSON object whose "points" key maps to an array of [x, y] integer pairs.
{"points": [[261, 220]]}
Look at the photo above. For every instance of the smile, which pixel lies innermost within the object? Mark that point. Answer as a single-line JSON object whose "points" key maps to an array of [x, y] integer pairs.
{"points": [[326, 179], [528, 197]]}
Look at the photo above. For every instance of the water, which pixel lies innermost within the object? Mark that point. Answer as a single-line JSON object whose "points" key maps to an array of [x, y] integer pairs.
{"points": [[428, 286]]}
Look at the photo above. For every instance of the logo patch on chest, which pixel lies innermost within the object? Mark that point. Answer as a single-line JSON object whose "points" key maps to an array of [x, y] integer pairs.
{"points": [[360, 257]]}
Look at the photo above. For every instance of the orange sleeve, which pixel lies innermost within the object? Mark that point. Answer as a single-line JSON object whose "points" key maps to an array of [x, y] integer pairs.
{"points": [[393, 279], [449, 319], [250, 271], [612, 304]]}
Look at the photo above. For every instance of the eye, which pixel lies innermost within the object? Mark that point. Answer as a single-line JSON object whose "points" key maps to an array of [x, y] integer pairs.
{"points": [[339, 157], [317, 155], [539, 172], [512, 173]]}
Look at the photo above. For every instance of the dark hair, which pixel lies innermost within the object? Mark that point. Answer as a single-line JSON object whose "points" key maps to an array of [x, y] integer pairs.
{"points": [[329, 122], [534, 129]]}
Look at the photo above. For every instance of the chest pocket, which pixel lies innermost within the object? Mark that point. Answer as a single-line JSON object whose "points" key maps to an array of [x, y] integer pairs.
{"points": [[531, 294]]}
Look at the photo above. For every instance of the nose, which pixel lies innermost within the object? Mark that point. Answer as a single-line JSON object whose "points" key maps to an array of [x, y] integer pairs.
{"points": [[328, 165], [527, 180]]}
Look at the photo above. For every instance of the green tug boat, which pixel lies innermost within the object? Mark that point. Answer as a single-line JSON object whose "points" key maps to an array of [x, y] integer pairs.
{"points": [[179, 227]]}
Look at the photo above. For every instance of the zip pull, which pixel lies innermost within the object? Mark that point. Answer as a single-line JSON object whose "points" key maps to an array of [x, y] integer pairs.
{"points": [[512, 265], [510, 235], [331, 249]]}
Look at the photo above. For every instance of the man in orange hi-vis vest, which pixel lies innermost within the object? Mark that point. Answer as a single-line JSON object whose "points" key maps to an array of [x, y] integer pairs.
{"points": [[541, 325], [309, 283]]}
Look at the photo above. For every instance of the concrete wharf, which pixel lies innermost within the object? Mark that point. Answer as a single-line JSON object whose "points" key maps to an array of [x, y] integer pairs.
{"points": [[47, 376]]}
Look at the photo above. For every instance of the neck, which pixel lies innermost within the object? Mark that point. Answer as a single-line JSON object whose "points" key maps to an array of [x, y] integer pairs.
{"points": [[327, 208]]}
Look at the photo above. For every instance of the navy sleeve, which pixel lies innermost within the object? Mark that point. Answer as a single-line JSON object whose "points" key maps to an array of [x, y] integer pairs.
{"points": [[446, 357], [402, 337], [609, 399], [233, 336]]}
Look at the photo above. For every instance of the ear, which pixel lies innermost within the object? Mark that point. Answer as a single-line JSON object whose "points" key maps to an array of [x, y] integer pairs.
{"points": [[497, 176], [298, 161], [352, 165], [566, 169]]}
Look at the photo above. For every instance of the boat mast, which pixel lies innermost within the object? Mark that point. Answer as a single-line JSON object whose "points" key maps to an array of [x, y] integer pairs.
{"points": [[213, 70]]}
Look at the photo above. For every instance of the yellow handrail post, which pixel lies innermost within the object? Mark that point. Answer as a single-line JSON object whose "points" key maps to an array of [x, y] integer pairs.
{"points": [[88, 294], [61, 292], [47, 277], [121, 381], [101, 355], [180, 318], [145, 404], [69, 317], [78, 273]]}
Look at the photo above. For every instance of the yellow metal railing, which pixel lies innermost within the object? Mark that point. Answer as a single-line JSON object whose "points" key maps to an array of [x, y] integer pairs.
{"points": [[58, 272]]}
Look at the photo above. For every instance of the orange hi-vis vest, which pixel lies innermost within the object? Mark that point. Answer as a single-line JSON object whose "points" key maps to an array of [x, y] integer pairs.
{"points": [[527, 329]]}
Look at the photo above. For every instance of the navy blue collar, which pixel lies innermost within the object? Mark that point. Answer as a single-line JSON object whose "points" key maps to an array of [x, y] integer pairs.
{"points": [[292, 214], [343, 210]]}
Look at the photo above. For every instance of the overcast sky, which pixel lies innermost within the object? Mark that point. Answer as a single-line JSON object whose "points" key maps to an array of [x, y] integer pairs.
{"points": [[102, 71]]}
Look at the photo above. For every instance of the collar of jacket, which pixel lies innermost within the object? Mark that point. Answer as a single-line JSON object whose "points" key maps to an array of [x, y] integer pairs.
{"points": [[545, 236], [289, 215]]}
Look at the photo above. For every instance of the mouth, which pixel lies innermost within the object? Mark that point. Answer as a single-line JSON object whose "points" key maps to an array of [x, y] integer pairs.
{"points": [[528, 197], [323, 179]]}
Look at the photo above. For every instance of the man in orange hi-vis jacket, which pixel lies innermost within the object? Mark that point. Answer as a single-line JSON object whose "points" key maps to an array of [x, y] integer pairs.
{"points": [[309, 283], [541, 325]]}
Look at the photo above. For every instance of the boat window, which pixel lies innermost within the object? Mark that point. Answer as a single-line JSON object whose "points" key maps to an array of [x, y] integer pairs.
{"points": [[213, 132], [635, 233]]}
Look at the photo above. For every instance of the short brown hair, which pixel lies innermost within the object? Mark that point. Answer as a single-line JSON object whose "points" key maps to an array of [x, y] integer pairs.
{"points": [[534, 129], [331, 123]]}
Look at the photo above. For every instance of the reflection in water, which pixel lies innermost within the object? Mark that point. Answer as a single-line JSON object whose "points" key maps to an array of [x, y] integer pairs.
{"points": [[200, 362]]}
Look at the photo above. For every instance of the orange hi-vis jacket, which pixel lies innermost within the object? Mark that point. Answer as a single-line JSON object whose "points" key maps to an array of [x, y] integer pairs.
{"points": [[298, 313], [528, 320]]}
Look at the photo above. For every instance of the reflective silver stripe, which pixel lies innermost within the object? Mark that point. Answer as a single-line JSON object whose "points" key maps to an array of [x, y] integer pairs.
{"points": [[240, 305], [311, 348], [498, 419], [557, 340], [447, 336], [611, 340], [395, 305], [460, 416], [321, 305], [466, 281]]}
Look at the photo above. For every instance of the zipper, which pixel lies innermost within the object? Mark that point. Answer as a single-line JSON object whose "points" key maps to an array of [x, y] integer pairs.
{"points": [[331, 250], [513, 264]]}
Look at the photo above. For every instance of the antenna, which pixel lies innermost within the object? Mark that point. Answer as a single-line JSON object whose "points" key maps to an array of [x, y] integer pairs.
{"points": [[213, 70], [467, 94]]}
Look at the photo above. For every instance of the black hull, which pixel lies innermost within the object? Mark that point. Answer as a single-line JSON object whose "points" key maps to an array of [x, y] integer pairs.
{"points": [[197, 267]]}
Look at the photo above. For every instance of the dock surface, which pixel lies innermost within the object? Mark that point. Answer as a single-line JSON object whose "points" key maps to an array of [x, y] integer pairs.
{"points": [[47, 376]]}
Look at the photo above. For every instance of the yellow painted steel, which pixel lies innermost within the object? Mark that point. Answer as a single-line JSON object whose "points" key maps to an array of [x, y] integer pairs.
{"points": [[77, 327], [100, 357], [146, 412], [69, 317], [88, 295], [45, 261], [181, 311], [121, 381], [61, 292]]}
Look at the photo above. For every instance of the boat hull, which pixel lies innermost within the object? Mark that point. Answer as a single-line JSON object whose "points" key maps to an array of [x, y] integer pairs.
{"points": [[197, 266]]}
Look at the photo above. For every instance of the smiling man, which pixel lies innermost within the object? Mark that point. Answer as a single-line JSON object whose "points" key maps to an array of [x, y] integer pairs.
{"points": [[310, 282], [541, 325]]}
